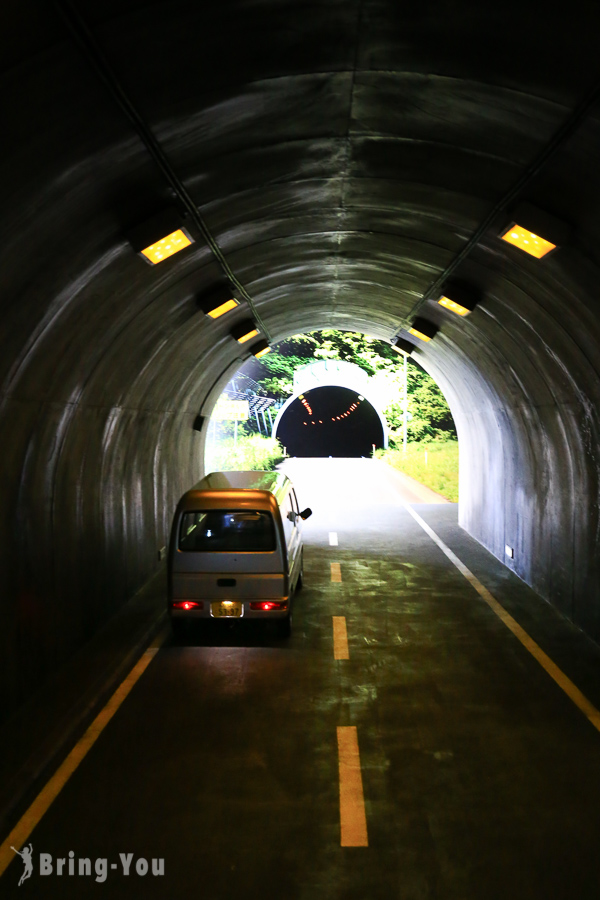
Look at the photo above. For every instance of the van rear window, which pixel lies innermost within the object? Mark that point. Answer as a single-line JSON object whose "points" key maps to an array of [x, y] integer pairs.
{"points": [[227, 530]]}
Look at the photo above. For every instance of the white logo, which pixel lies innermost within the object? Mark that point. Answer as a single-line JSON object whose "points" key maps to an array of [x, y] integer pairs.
{"points": [[99, 868], [27, 857]]}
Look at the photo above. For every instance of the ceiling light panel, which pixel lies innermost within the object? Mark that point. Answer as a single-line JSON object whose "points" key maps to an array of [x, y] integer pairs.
{"points": [[167, 246], [223, 308], [403, 346], [423, 329], [245, 331], [260, 348], [419, 334], [454, 307], [535, 231], [218, 302], [528, 241], [160, 237], [460, 299]]}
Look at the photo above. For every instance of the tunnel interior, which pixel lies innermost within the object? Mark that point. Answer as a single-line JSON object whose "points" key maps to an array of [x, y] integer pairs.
{"points": [[349, 161], [330, 421]]}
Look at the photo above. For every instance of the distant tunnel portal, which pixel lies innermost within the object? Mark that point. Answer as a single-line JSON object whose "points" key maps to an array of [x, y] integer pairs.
{"points": [[330, 421]]}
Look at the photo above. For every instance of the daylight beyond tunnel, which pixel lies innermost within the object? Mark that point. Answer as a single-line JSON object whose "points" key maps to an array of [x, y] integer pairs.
{"points": [[330, 421]]}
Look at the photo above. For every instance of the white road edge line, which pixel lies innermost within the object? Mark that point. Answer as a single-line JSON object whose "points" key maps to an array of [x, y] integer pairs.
{"points": [[564, 683], [44, 800]]}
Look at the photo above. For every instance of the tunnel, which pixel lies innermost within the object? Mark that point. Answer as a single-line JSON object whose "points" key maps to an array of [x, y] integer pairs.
{"points": [[330, 421], [326, 165]]}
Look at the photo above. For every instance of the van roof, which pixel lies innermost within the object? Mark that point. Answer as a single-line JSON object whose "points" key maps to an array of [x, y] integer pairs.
{"points": [[275, 482]]}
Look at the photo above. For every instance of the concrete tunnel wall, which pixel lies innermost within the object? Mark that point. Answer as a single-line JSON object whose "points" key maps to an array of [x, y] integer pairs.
{"points": [[341, 159], [530, 476]]}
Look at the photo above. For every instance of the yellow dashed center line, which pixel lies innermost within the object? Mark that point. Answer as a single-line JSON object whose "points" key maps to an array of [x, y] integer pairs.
{"points": [[340, 638], [54, 786], [353, 819], [562, 680], [336, 573]]}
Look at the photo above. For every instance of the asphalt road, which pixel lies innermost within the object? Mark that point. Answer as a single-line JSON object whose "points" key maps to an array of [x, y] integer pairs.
{"points": [[234, 757]]}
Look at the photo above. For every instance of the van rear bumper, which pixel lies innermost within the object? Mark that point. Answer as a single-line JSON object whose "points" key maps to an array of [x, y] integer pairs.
{"points": [[225, 585], [247, 613]]}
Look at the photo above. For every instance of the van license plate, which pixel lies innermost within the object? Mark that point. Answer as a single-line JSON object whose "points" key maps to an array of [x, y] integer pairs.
{"points": [[226, 609]]}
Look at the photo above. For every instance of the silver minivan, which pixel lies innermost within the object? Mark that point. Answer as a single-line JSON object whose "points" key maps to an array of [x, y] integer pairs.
{"points": [[236, 550]]}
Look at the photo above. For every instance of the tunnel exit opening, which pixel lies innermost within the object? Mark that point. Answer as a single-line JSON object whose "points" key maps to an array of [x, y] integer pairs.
{"points": [[330, 421], [334, 394]]}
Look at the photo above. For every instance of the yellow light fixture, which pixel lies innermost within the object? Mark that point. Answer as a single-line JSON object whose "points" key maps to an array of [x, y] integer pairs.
{"points": [[535, 231], [167, 246], [223, 308], [528, 241], [454, 307], [460, 298], [218, 302], [423, 329], [245, 331], [402, 346], [260, 348], [419, 334], [160, 237]]}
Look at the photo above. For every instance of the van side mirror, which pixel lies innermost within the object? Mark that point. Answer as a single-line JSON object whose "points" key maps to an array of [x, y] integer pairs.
{"points": [[306, 513]]}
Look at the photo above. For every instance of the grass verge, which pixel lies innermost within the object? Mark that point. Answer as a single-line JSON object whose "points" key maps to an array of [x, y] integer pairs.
{"points": [[250, 452], [434, 464]]}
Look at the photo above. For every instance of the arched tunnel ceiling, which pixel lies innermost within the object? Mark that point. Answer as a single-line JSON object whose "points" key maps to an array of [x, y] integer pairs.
{"points": [[341, 154]]}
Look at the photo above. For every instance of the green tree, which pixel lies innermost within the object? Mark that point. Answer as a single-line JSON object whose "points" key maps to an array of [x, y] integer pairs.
{"points": [[430, 416], [275, 372]]}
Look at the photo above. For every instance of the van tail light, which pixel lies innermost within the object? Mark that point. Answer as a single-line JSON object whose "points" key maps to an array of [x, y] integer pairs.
{"points": [[187, 604], [267, 605]]}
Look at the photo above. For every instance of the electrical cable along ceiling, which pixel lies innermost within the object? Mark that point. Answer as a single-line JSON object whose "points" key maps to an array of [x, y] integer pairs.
{"points": [[339, 164]]}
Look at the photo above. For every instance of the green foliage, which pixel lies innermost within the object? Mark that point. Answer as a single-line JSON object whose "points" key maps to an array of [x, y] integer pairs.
{"points": [[429, 414], [279, 382], [434, 464], [250, 452], [368, 353]]}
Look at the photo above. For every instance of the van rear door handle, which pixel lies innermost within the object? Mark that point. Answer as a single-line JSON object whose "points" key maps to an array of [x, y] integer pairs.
{"points": [[226, 582]]}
